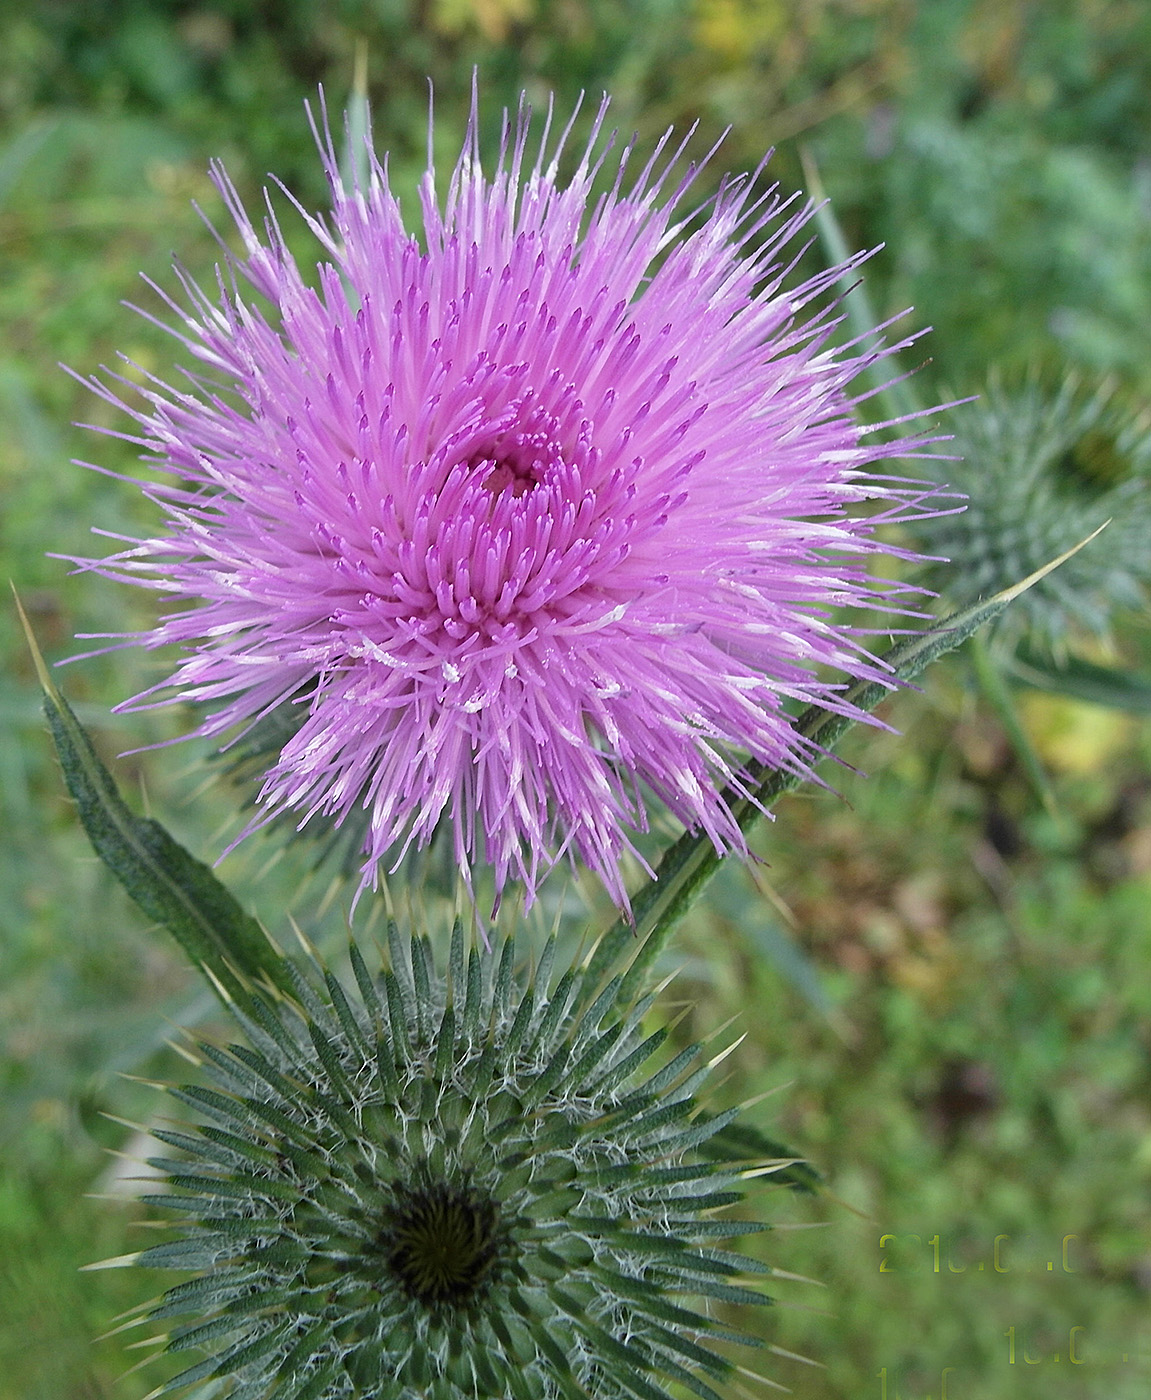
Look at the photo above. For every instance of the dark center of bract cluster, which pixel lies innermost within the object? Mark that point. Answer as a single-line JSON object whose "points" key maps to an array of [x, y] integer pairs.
{"points": [[443, 1243], [1094, 462]]}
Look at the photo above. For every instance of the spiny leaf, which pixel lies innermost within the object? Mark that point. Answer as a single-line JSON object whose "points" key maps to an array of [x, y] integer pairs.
{"points": [[179, 1254], [170, 885], [630, 1063], [345, 1240]]}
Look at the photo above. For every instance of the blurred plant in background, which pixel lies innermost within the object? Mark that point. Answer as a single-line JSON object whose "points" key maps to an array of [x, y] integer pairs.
{"points": [[1039, 465]]}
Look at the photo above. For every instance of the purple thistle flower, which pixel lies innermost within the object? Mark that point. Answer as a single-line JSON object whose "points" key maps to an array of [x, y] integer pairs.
{"points": [[548, 506]]}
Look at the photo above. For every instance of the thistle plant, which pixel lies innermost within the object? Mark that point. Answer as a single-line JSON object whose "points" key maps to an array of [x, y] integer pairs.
{"points": [[489, 534], [1041, 467], [462, 1185], [476, 1184]]}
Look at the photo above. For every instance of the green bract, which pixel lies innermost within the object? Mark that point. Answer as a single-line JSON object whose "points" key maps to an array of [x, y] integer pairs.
{"points": [[1041, 469], [447, 1187]]}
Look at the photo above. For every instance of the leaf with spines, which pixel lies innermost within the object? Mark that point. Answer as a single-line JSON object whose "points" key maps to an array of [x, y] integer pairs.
{"points": [[171, 886]]}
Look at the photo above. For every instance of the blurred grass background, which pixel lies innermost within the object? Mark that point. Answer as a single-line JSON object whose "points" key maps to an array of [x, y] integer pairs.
{"points": [[949, 985]]}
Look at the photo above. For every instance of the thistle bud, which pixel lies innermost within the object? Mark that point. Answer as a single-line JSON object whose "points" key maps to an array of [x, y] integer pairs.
{"points": [[1042, 468], [472, 1184]]}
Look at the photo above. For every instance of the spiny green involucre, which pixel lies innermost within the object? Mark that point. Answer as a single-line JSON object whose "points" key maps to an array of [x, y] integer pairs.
{"points": [[441, 1187], [1042, 468]]}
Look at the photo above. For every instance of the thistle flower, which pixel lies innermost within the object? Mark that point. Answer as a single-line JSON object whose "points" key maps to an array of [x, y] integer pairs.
{"points": [[1042, 468], [549, 508], [449, 1187]]}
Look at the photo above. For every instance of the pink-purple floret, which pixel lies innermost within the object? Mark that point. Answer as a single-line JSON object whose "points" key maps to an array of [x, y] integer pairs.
{"points": [[550, 506]]}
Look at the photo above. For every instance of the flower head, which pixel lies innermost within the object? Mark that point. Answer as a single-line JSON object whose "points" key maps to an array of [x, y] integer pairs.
{"points": [[1042, 467], [546, 507], [454, 1187]]}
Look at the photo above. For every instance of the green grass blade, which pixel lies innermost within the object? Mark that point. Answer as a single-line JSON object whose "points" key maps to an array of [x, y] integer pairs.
{"points": [[1083, 680], [989, 678], [895, 394]]}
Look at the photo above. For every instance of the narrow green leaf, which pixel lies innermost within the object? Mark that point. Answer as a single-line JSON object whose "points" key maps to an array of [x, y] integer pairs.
{"points": [[894, 392], [241, 1069], [1111, 686], [168, 883], [303, 1351], [223, 1232], [504, 978], [183, 1338], [230, 1144], [629, 1359], [540, 1324], [548, 1078], [641, 1122], [671, 1071], [254, 1350], [400, 962], [631, 1062], [655, 1177], [386, 1067], [239, 1112], [344, 1013], [365, 983], [700, 1131], [473, 997], [702, 1357], [456, 973], [715, 1229], [555, 1010], [594, 1055], [329, 1057], [194, 1205], [238, 1186], [398, 1016], [589, 1022], [990, 680], [422, 973], [721, 1291], [180, 1254], [652, 1298], [741, 1142], [524, 1013], [688, 1378], [268, 1300], [199, 1372], [202, 1295], [316, 1385], [482, 1071], [445, 1044], [262, 1023]]}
